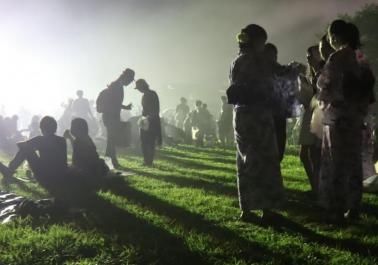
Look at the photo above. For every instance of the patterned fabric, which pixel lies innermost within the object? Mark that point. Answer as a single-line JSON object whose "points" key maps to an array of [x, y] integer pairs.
{"points": [[340, 184], [258, 167], [259, 178]]}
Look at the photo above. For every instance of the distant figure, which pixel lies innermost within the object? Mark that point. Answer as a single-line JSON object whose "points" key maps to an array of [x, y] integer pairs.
{"points": [[81, 107], [225, 129], [65, 120], [259, 180], [85, 159], [50, 164], [150, 131], [182, 111], [198, 124], [110, 104], [34, 127], [346, 90]]}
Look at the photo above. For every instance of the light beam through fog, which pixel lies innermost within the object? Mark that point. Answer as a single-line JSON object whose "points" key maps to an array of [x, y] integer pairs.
{"points": [[49, 49]]}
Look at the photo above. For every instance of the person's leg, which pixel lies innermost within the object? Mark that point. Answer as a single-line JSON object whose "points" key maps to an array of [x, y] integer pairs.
{"points": [[111, 144], [280, 126], [307, 164], [144, 145]]}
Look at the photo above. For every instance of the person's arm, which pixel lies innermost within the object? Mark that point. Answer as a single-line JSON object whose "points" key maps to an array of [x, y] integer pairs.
{"points": [[67, 134], [31, 144]]}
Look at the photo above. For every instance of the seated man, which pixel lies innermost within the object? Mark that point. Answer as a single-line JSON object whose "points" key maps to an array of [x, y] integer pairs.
{"points": [[49, 165], [85, 159]]}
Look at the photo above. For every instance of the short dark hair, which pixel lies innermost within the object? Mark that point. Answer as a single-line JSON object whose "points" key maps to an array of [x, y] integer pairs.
{"points": [[48, 125]]}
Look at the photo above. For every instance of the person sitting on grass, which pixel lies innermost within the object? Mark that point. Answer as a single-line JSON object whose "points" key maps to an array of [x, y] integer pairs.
{"points": [[85, 159], [49, 165]]}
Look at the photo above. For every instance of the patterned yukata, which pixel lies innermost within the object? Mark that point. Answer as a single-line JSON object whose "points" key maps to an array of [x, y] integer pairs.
{"points": [[259, 178], [340, 183]]}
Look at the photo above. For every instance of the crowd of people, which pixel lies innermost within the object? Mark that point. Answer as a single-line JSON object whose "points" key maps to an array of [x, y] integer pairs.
{"points": [[334, 91], [335, 94]]}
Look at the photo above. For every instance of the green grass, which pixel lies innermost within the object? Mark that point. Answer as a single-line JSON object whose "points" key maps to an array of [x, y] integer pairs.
{"points": [[184, 211]]}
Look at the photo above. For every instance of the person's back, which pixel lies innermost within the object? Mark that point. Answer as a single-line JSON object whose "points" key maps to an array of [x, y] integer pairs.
{"points": [[52, 152], [150, 103], [85, 158]]}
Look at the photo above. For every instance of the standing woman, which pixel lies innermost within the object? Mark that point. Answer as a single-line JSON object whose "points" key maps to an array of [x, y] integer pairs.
{"points": [[258, 166], [307, 97], [343, 95]]}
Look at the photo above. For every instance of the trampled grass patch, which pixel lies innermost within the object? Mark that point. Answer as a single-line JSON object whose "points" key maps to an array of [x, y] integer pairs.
{"points": [[185, 211]]}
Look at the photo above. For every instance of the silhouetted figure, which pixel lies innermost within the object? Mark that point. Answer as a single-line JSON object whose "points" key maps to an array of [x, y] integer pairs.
{"points": [[49, 166], [81, 107], [110, 104], [225, 129], [309, 152], [279, 116], [346, 90], [259, 181], [34, 127], [85, 159], [150, 129], [182, 111]]}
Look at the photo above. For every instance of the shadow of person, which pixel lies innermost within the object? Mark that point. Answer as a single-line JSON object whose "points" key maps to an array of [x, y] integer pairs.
{"points": [[250, 251], [281, 223], [123, 226]]}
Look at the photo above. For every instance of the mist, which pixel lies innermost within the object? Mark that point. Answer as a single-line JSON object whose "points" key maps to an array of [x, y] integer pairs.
{"points": [[52, 48]]}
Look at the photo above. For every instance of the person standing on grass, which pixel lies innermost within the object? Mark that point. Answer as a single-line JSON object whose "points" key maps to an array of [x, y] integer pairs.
{"points": [[345, 90], [259, 180], [307, 96], [150, 131], [110, 104]]}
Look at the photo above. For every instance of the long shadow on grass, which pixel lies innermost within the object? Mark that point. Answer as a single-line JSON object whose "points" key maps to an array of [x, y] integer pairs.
{"points": [[301, 204], [24, 187], [156, 246], [281, 223], [184, 171], [206, 150], [195, 163], [190, 183], [208, 158], [247, 250]]}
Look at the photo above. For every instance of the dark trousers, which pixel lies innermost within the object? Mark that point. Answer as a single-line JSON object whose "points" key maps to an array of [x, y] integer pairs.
{"points": [[148, 142], [280, 126], [112, 127]]}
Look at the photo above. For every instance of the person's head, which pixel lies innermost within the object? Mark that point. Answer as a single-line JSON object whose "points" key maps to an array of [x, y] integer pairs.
{"points": [[341, 33], [141, 85], [198, 103], [35, 119], [80, 93], [183, 100], [271, 52], [325, 48], [79, 128], [48, 125], [127, 77], [313, 56], [252, 37]]}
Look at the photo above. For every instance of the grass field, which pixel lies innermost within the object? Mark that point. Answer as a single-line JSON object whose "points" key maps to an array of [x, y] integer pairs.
{"points": [[184, 211]]}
